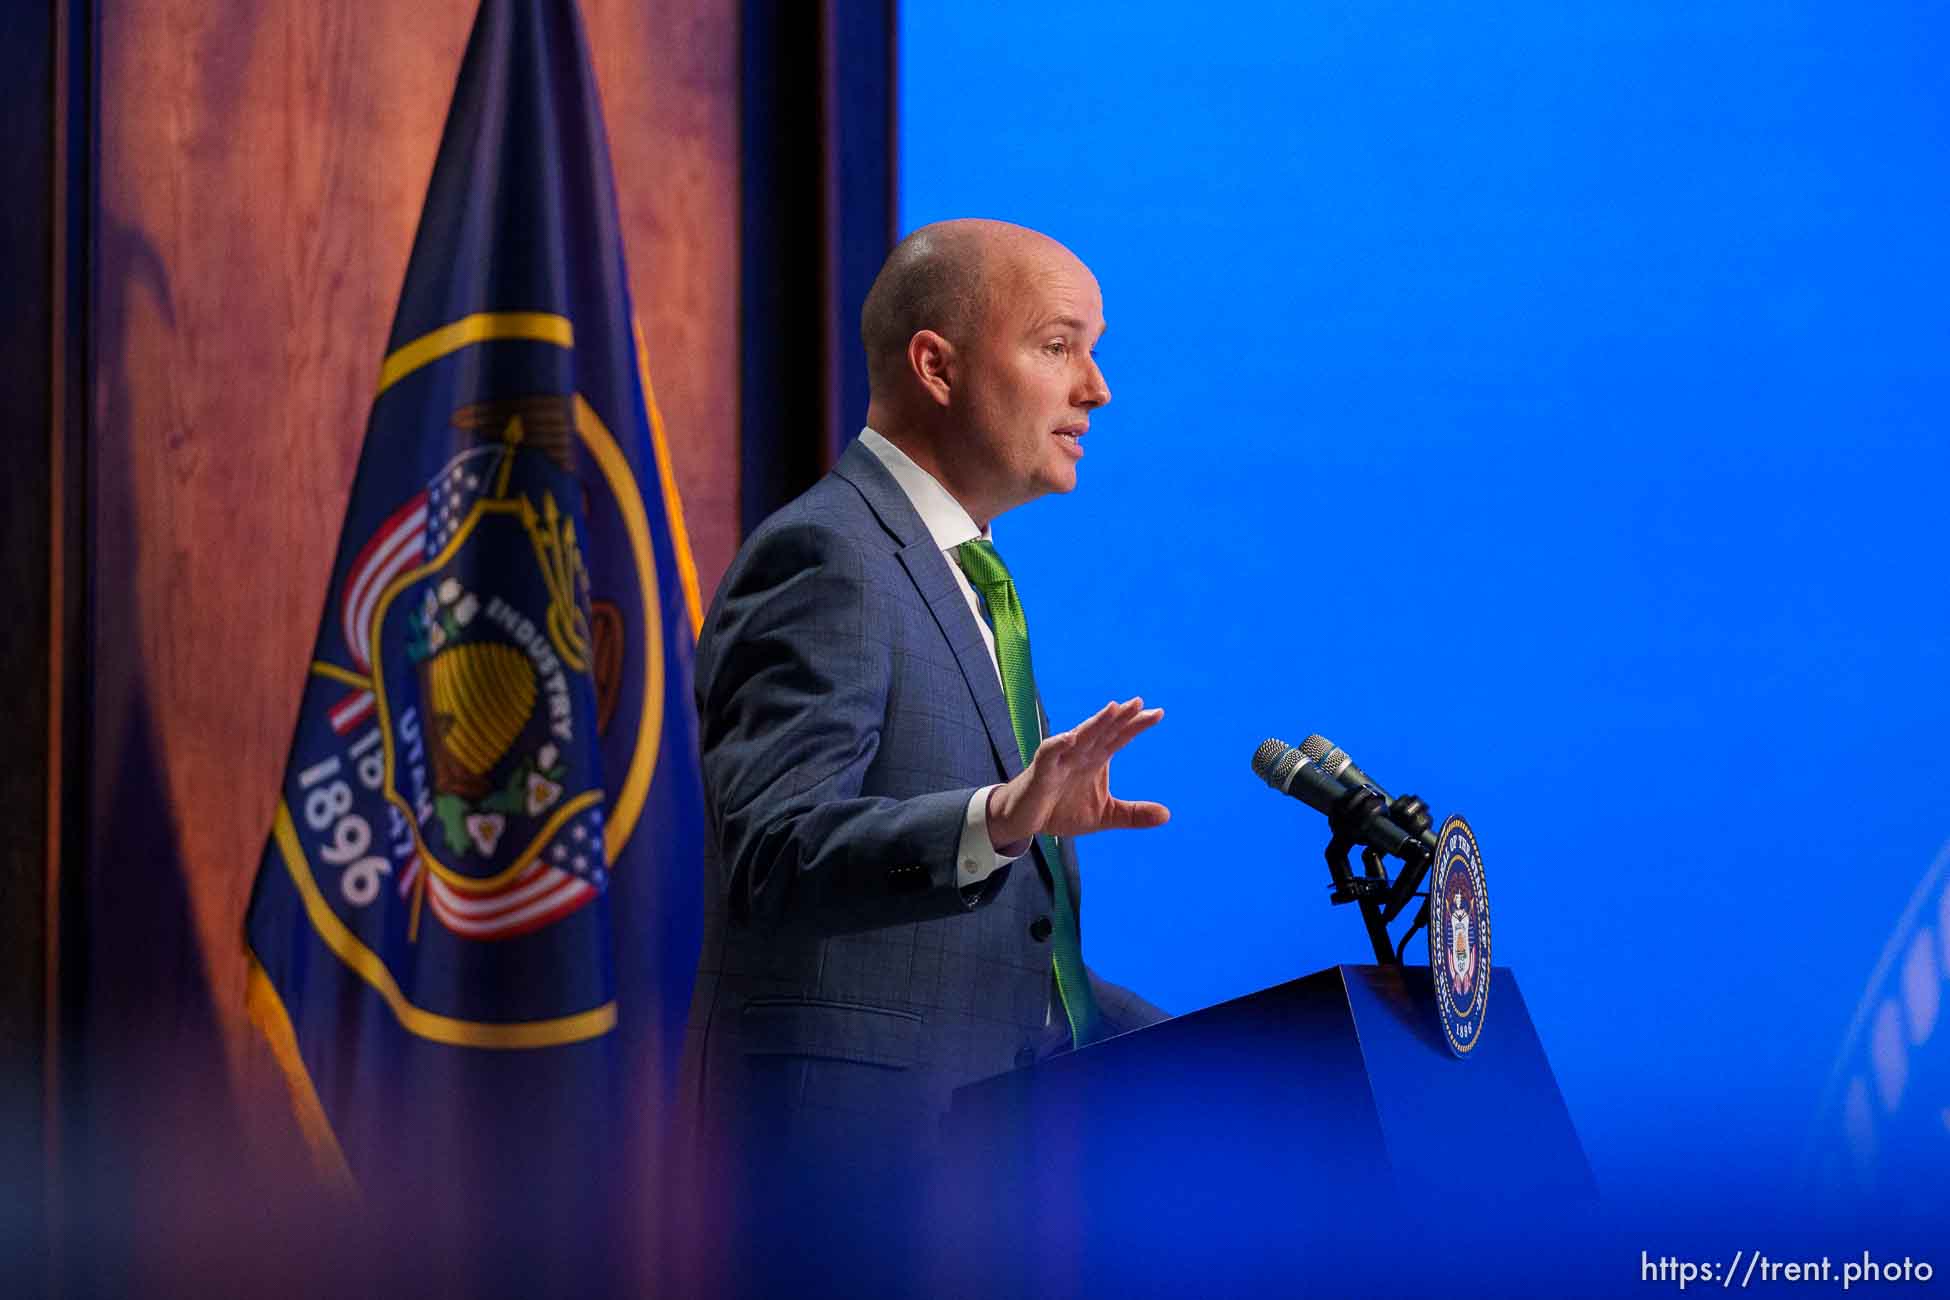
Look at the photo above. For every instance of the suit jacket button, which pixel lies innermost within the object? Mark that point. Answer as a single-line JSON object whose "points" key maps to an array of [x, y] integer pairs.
{"points": [[1025, 1056], [1039, 929]]}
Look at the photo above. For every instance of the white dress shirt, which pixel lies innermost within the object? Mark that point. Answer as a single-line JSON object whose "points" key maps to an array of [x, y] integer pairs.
{"points": [[950, 525]]}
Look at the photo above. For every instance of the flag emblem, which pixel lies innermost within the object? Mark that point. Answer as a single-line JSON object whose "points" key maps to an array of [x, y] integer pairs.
{"points": [[463, 761], [489, 693]]}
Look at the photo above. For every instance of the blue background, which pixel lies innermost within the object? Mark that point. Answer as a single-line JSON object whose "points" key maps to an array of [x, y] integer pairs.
{"points": [[1548, 406]]}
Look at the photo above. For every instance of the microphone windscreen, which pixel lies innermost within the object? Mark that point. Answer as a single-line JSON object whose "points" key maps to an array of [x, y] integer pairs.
{"points": [[1266, 759]]}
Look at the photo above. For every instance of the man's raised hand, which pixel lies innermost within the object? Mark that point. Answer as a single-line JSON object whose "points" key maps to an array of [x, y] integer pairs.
{"points": [[1065, 790]]}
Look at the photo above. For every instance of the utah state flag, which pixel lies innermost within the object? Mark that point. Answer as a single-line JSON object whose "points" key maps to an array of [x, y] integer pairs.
{"points": [[476, 924]]}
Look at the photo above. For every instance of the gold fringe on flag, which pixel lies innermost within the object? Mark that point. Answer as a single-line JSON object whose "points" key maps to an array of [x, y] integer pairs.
{"points": [[268, 1013]]}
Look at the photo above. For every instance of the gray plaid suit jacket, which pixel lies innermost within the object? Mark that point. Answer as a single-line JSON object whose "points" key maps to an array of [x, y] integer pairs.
{"points": [[849, 710]]}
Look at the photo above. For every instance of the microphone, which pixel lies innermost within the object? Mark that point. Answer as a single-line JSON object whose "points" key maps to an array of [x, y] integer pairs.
{"points": [[1338, 764], [1292, 772]]}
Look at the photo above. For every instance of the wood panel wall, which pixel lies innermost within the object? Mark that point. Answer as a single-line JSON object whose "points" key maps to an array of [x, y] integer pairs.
{"points": [[262, 165]]}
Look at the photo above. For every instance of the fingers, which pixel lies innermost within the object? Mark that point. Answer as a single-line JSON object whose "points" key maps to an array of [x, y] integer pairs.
{"points": [[1135, 815], [1091, 732], [1113, 727], [1131, 720], [1055, 757], [1080, 744], [1071, 768], [1138, 723]]}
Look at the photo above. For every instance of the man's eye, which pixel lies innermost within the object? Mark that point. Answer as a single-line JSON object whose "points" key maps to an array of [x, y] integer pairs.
{"points": [[1056, 347]]}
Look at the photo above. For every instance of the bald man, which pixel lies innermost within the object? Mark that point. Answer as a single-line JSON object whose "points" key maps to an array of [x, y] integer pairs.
{"points": [[893, 815]]}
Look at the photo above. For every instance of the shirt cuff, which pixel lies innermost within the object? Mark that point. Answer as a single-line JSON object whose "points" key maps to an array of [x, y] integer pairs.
{"points": [[977, 859]]}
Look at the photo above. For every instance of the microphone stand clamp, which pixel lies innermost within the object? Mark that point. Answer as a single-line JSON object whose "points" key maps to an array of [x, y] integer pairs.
{"points": [[1380, 899]]}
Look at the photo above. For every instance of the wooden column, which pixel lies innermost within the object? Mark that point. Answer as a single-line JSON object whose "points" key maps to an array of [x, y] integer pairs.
{"points": [[46, 54]]}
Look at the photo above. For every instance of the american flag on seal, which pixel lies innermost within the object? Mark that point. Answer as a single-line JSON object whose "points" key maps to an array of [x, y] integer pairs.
{"points": [[398, 545]]}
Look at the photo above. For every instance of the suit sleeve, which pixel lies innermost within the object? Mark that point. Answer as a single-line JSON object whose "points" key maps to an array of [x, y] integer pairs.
{"points": [[1123, 1009], [799, 664]]}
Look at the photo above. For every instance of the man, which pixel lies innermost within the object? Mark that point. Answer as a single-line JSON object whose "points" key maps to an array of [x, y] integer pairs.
{"points": [[887, 804]]}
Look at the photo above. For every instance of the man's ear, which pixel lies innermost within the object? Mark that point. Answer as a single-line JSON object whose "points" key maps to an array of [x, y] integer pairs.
{"points": [[934, 364]]}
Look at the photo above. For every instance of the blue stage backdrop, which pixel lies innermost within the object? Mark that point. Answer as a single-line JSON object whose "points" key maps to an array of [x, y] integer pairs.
{"points": [[1549, 405]]}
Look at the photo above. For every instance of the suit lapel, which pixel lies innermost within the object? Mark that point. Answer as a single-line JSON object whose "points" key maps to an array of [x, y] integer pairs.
{"points": [[928, 569]]}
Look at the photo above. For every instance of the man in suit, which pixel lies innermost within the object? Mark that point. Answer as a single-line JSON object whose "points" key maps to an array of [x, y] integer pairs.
{"points": [[893, 817]]}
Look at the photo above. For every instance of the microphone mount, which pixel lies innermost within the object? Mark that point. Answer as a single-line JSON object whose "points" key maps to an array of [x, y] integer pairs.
{"points": [[1379, 899]]}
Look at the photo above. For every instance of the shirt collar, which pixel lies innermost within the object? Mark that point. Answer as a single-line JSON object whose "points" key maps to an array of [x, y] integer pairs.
{"points": [[947, 522]]}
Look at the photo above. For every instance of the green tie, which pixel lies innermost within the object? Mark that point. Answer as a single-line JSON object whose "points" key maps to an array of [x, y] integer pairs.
{"points": [[990, 576]]}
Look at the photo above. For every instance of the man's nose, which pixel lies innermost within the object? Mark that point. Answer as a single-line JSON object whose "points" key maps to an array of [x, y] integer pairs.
{"points": [[1096, 389]]}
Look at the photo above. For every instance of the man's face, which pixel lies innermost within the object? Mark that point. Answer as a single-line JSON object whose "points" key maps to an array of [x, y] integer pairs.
{"points": [[1030, 379]]}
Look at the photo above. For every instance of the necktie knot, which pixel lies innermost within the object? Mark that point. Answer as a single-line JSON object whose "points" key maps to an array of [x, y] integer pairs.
{"points": [[983, 564]]}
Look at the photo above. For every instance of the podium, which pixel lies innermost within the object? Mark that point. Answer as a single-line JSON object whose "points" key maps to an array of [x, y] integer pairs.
{"points": [[1301, 1125]]}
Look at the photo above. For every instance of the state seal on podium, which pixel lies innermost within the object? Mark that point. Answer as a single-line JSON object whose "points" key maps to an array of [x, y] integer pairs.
{"points": [[1459, 936]]}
